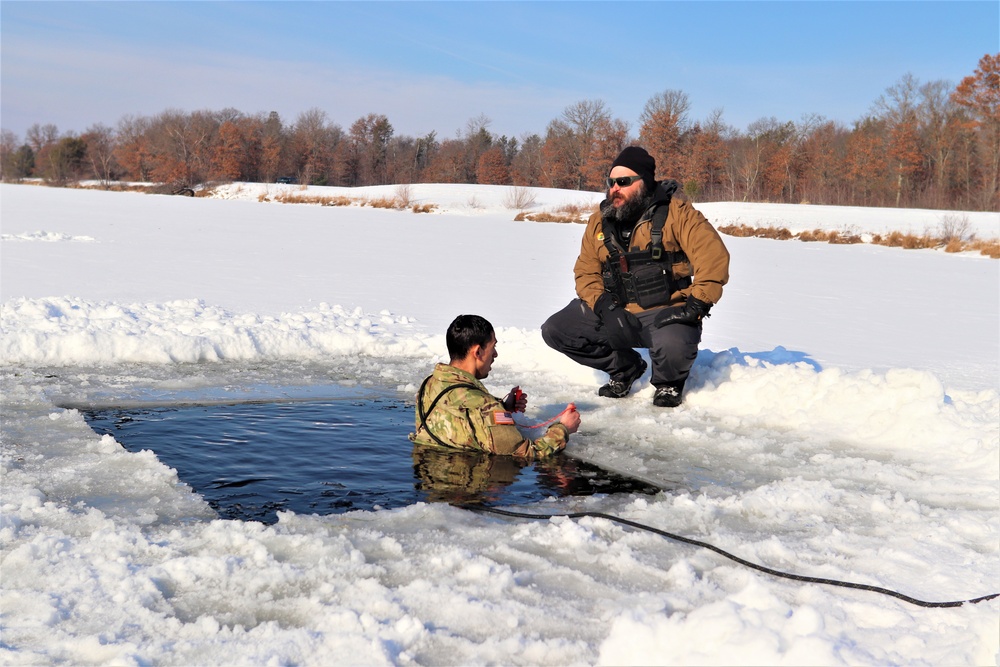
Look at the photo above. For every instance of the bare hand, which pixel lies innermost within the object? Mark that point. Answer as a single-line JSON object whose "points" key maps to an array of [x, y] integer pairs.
{"points": [[570, 419]]}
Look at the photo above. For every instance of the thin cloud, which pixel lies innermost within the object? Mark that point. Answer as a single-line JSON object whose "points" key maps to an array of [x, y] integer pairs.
{"points": [[58, 87]]}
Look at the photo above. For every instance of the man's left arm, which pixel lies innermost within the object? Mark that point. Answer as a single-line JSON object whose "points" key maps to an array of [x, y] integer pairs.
{"points": [[706, 251], [709, 260]]}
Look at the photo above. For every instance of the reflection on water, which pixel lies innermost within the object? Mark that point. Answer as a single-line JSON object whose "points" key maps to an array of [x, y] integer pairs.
{"points": [[455, 476], [252, 460]]}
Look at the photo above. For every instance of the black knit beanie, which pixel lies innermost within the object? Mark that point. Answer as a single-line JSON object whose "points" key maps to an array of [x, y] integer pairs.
{"points": [[639, 161]]}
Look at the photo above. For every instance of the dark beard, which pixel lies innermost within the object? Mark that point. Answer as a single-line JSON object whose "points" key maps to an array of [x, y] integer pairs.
{"points": [[629, 212]]}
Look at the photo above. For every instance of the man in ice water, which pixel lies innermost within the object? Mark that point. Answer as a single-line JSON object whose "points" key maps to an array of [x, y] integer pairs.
{"points": [[649, 270], [455, 410]]}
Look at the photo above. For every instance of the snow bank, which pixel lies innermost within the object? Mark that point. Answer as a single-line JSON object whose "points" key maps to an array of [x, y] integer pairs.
{"points": [[70, 331]]}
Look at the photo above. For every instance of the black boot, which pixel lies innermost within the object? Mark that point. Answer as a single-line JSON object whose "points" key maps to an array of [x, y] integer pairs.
{"points": [[621, 387], [669, 396]]}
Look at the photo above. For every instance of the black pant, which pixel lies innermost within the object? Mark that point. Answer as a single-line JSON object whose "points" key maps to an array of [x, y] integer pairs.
{"points": [[576, 331]]}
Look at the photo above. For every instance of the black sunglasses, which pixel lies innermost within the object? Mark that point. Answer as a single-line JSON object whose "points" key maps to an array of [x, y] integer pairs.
{"points": [[622, 181]]}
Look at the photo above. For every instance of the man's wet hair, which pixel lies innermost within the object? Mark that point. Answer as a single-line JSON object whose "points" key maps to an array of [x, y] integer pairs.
{"points": [[466, 331]]}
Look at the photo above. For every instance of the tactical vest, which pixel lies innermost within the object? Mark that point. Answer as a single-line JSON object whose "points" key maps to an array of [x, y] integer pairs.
{"points": [[643, 277]]}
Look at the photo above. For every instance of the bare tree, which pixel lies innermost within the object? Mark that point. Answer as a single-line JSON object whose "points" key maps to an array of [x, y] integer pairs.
{"points": [[133, 151], [101, 146], [367, 149], [898, 107], [748, 157], [314, 147], [478, 139], [8, 149], [571, 151], [823, 153], [526, 167], [180, 146], [940, 129], [274, 159], [706, 156], [40, 136]]}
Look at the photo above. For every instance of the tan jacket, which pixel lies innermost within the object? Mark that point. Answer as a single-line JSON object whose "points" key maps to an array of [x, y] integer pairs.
{"points": [[685, 229]]}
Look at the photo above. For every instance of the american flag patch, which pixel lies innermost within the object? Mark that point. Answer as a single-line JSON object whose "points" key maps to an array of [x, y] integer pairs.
{"points": [[500, 417]]}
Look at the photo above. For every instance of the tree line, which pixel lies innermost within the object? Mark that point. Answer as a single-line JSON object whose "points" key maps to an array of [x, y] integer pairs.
{"points": [[928, 145]]}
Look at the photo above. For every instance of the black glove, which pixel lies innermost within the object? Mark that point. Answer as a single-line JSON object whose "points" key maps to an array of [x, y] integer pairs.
{"points": [[621, 326], [509, 401], [690, 313]]}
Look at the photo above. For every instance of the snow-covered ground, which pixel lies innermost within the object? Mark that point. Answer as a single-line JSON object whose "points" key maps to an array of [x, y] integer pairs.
{"points": [[842, 421]]}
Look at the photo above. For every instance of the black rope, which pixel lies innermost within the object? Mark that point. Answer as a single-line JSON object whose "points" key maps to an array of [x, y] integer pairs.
{"points": [[705, 545]]}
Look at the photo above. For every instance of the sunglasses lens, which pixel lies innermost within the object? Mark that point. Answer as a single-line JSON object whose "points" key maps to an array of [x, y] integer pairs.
{"points": [[621, 181]]}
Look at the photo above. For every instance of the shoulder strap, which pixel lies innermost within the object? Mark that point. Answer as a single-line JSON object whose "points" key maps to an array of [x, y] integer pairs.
{"points": [[424, 415], [607, 230], [667, 189]]}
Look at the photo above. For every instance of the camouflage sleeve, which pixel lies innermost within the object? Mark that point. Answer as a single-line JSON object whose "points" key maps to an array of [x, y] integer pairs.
{"points": [[553, 441], [496, 433]]}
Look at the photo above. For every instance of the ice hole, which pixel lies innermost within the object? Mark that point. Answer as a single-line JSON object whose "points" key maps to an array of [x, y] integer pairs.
{"points": [[252, 459]]}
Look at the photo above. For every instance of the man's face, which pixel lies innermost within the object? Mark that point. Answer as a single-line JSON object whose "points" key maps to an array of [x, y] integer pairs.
{"points": [[620, 196], [485, 357]]}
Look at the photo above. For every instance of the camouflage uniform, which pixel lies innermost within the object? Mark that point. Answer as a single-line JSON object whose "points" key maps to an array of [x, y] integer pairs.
{"points": [[471, 418]]}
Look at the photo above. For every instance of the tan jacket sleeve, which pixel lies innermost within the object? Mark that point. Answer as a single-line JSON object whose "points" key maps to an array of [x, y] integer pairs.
{"points": [[704, 248], [587, 270]]}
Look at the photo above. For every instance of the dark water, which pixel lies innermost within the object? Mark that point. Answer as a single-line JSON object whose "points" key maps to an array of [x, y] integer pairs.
{"points": [[251, 460]]}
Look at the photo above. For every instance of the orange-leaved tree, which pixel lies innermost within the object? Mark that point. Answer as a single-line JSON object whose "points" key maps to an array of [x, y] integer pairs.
{"points": [[492, 168], [661, 125], [979, 94]]}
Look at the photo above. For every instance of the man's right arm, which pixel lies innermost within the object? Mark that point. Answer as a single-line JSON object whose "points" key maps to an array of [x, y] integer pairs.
{"points": [[496, 433], [553, 441], [472, 418], [587, 270]]}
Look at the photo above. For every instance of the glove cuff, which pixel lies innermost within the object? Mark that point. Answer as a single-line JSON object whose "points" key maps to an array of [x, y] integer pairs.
{"points": [[699, 306]]}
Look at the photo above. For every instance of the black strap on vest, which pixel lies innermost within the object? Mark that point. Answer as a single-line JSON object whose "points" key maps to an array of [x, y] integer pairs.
{"points": [[424, 415], [656, 230]]}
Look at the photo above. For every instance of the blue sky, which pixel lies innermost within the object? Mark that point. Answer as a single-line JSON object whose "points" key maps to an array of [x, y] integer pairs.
{"points": [[433, 66]]}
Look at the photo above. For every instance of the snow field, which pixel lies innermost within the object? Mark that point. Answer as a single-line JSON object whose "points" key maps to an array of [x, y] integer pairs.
{"points": [[881, 469]]}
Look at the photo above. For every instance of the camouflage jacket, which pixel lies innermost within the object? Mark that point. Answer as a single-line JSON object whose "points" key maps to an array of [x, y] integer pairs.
{"points": [[469, 417]]}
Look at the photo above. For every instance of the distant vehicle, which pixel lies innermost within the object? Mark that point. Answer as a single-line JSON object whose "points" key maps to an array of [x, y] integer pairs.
{"points": [[287, 180]]}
